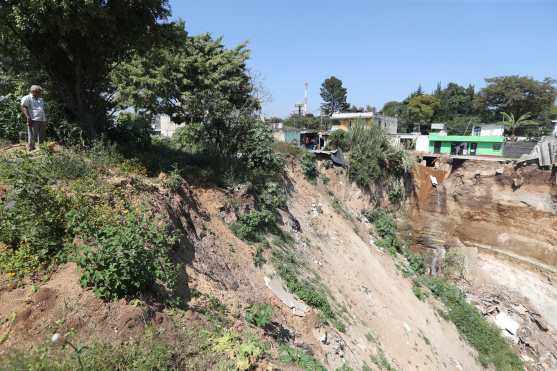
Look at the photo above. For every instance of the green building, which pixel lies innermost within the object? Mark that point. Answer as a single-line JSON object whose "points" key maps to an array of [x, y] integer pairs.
{"points": [[467, 145]]}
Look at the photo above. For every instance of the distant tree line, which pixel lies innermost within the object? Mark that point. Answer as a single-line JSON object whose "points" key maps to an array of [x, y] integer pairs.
{"points": [[525, 105]]}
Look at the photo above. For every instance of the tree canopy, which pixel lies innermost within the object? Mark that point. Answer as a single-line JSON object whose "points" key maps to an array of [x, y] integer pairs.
{"points": [[74, 44], [422, 108], [517, 95], [334, 96]]}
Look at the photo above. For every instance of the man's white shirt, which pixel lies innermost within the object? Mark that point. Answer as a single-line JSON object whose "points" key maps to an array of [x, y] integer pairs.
{"points": [[35, 107]]}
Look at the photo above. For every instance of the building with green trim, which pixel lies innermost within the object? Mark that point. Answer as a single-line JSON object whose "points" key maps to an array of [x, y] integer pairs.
{"points": [[467, 145]]}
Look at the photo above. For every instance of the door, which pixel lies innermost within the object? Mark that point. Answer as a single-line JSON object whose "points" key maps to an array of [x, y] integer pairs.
{"points": [[473, 148], [436, 147]]}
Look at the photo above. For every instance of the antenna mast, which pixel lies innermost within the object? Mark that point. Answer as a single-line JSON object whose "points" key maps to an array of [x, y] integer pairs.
{"points": [[306, 104]]}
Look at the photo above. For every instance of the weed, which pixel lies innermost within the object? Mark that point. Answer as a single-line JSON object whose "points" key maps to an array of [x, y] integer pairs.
{"points": [[258, 258], [174, 180], [288, 269], [125, 259], [272, 196], [486, 338], [371, 338], [417, 290], [251, 226], [381, 361], [300, 358], [288, 149], [309, 167], [243, 353], [259, 315], [344, 367]]}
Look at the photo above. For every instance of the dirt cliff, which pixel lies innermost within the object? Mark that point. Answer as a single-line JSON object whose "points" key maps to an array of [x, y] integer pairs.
{"points": [[501, 219]]}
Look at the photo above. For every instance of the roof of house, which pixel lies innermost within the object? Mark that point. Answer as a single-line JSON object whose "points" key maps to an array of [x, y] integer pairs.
{"points": [[467, 138], [438, 126], [351, 115]]}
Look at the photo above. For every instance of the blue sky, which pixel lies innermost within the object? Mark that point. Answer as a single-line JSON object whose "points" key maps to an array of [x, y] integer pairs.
{"points": [[381, 50]]}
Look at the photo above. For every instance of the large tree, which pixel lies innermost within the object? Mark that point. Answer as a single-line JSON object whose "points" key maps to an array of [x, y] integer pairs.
{"points": [[75, 44], [334, 96], [454, 100], [191, 79], [517, 95], [422, 108]]}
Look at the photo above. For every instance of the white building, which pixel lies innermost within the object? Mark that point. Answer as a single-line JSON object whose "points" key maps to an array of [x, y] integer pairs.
{"points": [[439, 128], [163, 125], [488, 130], [554, 122]]}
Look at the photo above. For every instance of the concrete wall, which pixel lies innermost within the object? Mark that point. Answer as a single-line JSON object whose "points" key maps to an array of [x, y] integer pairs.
{"points": [[164, 126], [482, 149], [422, 143]]}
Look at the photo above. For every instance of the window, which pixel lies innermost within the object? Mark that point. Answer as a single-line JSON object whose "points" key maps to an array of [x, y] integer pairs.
{"points": [[477, 131], [496, 146]]}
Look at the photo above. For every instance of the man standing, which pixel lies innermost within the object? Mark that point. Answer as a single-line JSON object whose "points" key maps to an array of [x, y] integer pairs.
{"points": [[32, 106]]}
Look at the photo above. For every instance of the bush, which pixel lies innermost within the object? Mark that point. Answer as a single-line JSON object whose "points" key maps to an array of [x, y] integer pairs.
{"points": [[127, 258], [300, 358], [32, 226], [373, 160], [259, 315], [191, 138], [131, 129], [309, 167], [339, 139], [272, 196], [257, 150], [174, 181], [11, 122], [251, 226]]}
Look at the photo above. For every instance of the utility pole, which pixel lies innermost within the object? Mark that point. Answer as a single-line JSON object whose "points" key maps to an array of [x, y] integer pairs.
{"points": [[306, 104]]}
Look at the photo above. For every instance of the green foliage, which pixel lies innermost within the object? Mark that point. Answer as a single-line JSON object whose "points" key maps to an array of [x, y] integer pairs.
{"points": [[482, 335], [372, 158], [512, 123], [272, 196], [288, 269], [333, 95], [150, 352], [190, 78], [396, 194], [288, 149], [258, 258], [381, 361], [131, 129], [306, 122], [259, 315], [94, 36], [309, 166], [243, 353], [455, 100], [32, 227], [344, 367], [257, 151], [174, 181], [191, 138], [11, 123], [339, 139], [422, 108], [300, 358], [385, 227], [517, 95], [127, 258], [252, 225]]}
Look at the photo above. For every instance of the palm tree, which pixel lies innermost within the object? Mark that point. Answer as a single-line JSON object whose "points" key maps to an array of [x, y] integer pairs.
{"points": [[513, 123]]}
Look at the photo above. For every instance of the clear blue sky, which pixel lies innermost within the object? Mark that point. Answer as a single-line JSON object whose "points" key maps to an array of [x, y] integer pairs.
{"points": [[381, 50]]}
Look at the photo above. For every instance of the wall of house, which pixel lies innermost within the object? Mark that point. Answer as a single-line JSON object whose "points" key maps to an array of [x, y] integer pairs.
{"points": [[488, 130], [483, 148], [422, 144]]}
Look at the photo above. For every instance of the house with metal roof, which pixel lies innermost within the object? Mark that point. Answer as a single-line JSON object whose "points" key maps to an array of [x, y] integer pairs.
{"points": [[467, 145]]}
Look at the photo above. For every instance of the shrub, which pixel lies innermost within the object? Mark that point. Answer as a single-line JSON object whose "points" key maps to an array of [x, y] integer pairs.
{"points": [[272, 196], [127, 258], [252, 225], [339, 139], [131, 129], [32, 225], [191, 138], [309, 167], [288, 149], [174, 181], [300, 358], [11, 123], [373, 159], [259, 315], [257, 150]]}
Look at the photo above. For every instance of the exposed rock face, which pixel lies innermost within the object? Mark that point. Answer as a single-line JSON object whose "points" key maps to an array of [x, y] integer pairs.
{"points": [[510, 212]]}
